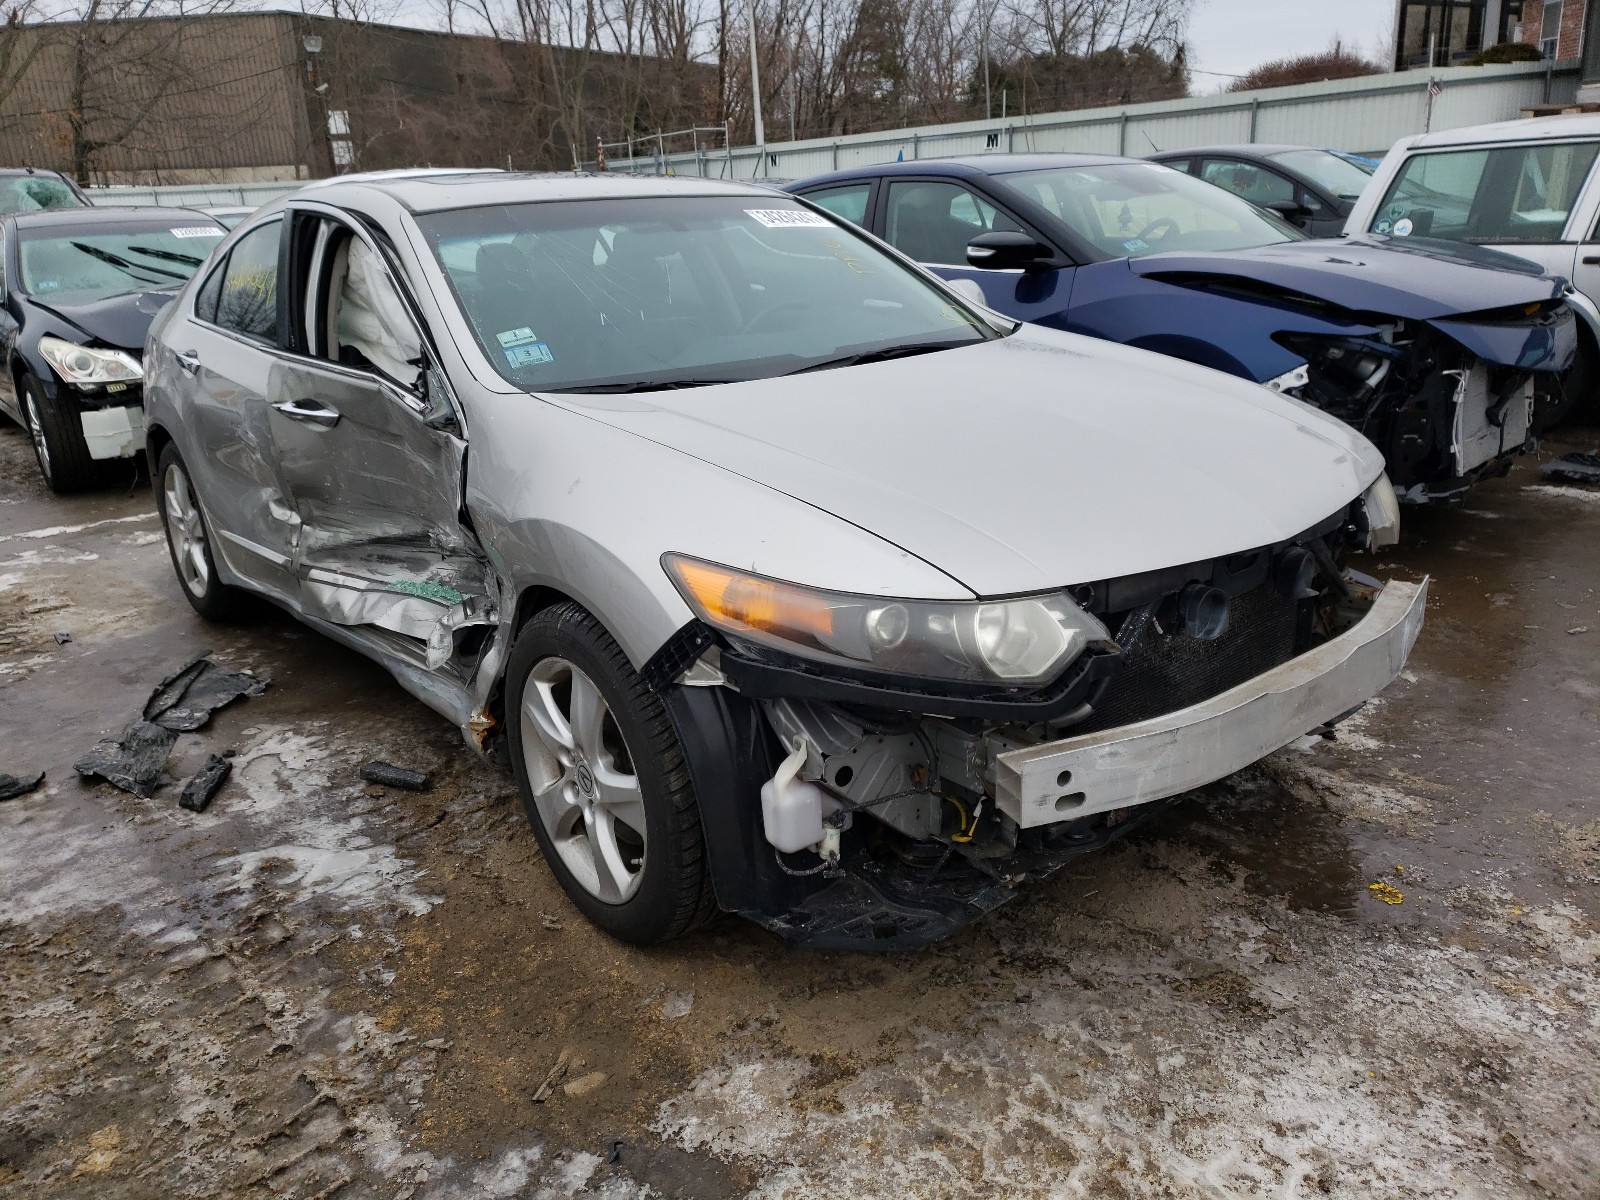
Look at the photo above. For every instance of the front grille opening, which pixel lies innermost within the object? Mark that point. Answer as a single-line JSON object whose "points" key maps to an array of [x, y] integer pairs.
{"points": [[1163, 671]]}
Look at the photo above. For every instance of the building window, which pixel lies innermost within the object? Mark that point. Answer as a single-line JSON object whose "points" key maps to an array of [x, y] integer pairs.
{"points": [[1550, 28]]}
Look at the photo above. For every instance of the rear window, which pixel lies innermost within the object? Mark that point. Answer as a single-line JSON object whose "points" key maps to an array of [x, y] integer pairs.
{"points": [[1509, 194]]}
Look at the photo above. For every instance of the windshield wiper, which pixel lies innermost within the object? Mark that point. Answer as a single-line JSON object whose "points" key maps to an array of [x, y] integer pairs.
{"points": [[121, 263], [641, 385], [870, 356], [187, 260]]}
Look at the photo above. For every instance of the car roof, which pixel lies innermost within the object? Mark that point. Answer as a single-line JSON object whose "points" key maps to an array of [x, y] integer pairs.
{"points": [[45, 171], [968, 165], [1580, 125], [438, 192], [109, 215], [1258, 149]]}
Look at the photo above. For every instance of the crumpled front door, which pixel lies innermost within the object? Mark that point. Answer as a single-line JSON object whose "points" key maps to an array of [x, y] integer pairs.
{"points": [[378, 492]]}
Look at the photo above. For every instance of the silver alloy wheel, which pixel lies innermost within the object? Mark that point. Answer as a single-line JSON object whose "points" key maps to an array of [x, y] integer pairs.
{"points": [[582, 776], [186, 531], [30, 409]]}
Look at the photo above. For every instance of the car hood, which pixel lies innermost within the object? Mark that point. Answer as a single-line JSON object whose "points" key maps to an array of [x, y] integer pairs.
{"points": [[1026, 463], [119, 321], [1412, 278]]}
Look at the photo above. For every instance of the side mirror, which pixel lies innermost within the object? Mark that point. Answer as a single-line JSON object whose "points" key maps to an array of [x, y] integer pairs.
{"points": [[1008, 252], [1290, 210]]}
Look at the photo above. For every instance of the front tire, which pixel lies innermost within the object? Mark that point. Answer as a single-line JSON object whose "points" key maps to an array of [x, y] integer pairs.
{"points": [[189, 541], [58, 442], [604, 782]]}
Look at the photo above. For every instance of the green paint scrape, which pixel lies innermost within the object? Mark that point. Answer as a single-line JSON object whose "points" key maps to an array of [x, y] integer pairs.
{"points": [[427, 591]]}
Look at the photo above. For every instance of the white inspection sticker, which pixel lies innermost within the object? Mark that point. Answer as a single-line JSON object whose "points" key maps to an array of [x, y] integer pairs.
{"points": [[197, 231], [787, 218]]}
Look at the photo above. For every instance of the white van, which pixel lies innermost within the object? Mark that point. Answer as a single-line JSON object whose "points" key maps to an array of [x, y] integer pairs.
{"points": [[1528, 187]]}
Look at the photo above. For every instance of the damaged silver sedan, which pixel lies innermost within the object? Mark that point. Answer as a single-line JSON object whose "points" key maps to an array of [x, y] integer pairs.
{"points": [[785, 580]]}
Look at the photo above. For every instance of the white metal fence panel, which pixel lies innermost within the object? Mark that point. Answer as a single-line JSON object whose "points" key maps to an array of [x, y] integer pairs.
{"points": [[193, 195], [1367, 114]]}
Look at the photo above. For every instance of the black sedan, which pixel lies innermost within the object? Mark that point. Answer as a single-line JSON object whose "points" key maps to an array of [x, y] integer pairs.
{"points": [[81, 288], [1311, 188]]}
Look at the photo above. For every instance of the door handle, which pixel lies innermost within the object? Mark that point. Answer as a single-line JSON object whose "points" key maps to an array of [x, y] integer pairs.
{"points": [[1591, 260], [189, 360], [312, 412]]}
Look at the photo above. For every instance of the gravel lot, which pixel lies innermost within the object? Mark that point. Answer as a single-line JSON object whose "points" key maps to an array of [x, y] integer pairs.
{"points": [[323, 988]]}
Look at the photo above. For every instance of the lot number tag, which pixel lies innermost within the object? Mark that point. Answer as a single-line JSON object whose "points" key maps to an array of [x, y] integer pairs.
{"points": [[787, 218]]}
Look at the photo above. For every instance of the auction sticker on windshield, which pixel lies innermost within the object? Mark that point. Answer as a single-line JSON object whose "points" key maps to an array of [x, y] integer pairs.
{"points": [[787, 218], [188, 231]]}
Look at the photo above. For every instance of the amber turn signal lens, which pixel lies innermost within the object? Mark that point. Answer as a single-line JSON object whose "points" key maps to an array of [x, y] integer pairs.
{"points": [[728, 597]]}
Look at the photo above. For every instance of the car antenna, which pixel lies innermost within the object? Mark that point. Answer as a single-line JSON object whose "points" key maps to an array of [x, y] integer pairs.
{"points": [[1151, 140]]}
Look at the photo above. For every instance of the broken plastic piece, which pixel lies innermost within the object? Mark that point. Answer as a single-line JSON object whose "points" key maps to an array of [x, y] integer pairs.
{"points": [[392, 776], [185, 700], [62, 637], [12, 786], [131, 761], [205, 784], [1577, 467]]}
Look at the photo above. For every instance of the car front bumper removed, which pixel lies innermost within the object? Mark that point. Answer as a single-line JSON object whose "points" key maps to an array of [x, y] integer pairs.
{"points": [[1151, 760]]}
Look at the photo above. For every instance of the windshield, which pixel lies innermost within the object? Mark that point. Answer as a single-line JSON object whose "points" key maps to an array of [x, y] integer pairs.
{"points": [[30, 193], [1131, 209], [674, 291], [1341, 177], [92, 262]]}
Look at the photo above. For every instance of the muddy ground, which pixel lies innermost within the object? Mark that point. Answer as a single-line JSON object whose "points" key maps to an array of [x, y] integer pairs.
{"points": [[320, 988]]}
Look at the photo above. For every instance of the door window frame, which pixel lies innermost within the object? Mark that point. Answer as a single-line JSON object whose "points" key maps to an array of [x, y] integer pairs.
{"points": [[881, 216], [308, 299], [867, 216], [219, 272]]}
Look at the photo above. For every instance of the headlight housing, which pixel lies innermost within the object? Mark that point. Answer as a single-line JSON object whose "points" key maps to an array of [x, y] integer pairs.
{"points": [[90, 364], [1382, 507], [1012, 642]]}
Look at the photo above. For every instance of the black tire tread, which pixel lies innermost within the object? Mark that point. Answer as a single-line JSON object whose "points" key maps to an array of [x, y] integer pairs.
{"points": [[692, 902], [71, 468]]}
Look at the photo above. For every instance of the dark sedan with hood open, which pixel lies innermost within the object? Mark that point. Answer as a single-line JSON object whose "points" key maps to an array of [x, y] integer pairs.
{"points": [[1448, 357], [81, 288]]}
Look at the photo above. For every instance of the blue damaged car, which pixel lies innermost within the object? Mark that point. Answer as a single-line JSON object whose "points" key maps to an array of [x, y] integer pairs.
{"points": [[1449, 357]]}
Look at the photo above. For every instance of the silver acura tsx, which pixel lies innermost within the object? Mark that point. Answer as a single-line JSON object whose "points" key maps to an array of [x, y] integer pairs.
{"points": [[786, 579]]}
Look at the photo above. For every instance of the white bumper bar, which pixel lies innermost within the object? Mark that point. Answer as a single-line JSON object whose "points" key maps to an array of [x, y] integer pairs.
{"points": [[1150, 760]]}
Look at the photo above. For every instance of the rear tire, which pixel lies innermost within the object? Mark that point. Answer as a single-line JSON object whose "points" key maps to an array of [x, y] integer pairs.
{"points": [[189, 541], [604, 782], [58, 442]]}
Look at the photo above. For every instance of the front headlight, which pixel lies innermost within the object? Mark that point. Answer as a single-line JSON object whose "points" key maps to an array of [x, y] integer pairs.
{"points": [[87, 364], [1382, 507], [1023, 641]]}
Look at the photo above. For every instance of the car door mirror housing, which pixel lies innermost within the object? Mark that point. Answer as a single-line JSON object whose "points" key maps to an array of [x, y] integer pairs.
{"points": [[1291, 210], [1009, 251]]}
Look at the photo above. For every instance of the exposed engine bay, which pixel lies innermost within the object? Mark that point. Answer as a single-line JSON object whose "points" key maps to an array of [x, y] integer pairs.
{"points": [[900, 818]]}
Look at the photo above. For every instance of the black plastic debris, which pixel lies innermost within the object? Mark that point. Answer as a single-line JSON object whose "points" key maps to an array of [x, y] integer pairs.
{"points": [[12, 786], [205, 784], [1576, 467], [185, 700], [392, 776], [131, 761], [62, 637], [614, 1151]]}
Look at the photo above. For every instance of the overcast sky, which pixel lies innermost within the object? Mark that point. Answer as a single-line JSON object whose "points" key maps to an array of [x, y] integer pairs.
{"points": [[1231, 36]]}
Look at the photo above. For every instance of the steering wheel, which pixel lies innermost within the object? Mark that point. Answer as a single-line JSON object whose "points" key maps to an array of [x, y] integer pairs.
{"points": [[1165, 224], [758, 319]]}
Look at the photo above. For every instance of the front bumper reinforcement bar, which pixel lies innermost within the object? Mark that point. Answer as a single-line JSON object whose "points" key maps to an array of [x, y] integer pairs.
{"points": [[1151, 760]]}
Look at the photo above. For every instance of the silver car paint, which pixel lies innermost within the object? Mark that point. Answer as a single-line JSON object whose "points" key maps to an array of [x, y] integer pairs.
{"points": [[935, 477]]}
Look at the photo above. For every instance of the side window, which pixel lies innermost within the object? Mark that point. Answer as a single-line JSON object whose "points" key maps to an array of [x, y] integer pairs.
{"points": [[1186, 165], [368, 323], [205, 300], [1511, 194], [933, 222], [848, 202], [248, 300], [1247, 181]]}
